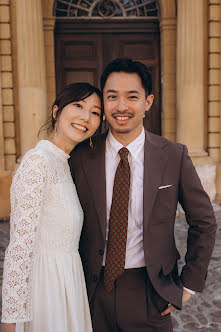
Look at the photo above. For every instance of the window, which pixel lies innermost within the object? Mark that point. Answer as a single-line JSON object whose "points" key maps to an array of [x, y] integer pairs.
{"points": [[106, 8]]}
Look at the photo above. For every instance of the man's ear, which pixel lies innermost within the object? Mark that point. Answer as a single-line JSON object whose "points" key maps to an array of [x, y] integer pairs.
{"points": [[54, 112], [149, 102]]}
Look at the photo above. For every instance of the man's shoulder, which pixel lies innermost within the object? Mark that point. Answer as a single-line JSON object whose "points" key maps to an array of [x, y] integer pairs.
{"points": [[89, 145], [164, 143]]}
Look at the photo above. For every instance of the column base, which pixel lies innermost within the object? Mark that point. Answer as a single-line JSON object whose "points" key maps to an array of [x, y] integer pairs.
{"points": [[200, 157], [218, 184], [5, 184], [207, 171], [218, 198]]}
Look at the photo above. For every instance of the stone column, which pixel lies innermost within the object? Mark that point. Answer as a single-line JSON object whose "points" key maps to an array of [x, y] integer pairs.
{"points": [[168, 76], [191, 71], [48, 26], [31, 71]]}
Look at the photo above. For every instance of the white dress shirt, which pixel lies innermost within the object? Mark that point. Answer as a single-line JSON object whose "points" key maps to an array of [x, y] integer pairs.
{"points": [[134, 247]]}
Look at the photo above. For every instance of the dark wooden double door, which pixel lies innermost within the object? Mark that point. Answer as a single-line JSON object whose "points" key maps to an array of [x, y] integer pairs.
{"points": [[83, 56]]}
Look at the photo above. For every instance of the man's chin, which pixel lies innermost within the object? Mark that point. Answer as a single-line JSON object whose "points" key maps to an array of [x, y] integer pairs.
{"points": [[122, 131]]}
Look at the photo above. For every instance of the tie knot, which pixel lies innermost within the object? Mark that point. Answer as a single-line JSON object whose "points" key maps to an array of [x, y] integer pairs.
{"points": [[123, 152]]}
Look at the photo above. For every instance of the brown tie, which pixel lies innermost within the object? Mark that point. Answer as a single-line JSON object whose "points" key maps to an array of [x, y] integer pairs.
{"points": [[118, 222]]}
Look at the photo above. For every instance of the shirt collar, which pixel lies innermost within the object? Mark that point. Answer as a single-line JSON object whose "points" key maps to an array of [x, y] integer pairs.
{"points": [[134, 147]]}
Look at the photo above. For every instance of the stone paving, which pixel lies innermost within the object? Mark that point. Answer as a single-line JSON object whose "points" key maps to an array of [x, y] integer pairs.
{"points": [[203, 311]]}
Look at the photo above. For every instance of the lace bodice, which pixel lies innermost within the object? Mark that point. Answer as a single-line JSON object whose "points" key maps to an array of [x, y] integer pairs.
{"points": [[46, 218]]}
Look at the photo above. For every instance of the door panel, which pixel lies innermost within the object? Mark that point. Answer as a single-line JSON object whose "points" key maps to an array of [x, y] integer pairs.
{"points": [[74, 76], [82, 57], [77, 58]]}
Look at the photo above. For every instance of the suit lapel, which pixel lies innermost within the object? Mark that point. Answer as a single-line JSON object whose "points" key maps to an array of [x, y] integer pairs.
{"points": [[94, 165], [155, 160]]}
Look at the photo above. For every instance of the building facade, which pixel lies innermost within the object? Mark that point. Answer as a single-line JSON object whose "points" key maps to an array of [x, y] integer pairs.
{"points": [[45, 44]]}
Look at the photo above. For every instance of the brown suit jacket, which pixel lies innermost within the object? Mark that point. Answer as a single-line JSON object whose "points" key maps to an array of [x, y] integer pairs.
{"points": [[165, 163]]}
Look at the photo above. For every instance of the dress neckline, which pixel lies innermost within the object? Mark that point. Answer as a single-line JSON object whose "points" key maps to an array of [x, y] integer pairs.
{"points": [[53, 148]]}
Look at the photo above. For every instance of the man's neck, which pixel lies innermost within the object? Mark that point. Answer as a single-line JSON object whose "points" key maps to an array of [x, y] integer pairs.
{"points": [[125, 138]]}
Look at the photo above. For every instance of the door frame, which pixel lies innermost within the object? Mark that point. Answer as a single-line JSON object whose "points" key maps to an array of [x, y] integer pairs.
{"points": [[114, 25]]}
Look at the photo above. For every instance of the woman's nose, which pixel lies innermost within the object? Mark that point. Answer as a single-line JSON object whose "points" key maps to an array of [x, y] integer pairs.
{"points": [[85, 115]]}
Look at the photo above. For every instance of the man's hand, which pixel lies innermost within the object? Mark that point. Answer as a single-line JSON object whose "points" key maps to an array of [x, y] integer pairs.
{"points": [[186, 297]]}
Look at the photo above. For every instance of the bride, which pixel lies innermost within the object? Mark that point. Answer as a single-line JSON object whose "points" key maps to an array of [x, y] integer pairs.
{"points": [[43, 281]]}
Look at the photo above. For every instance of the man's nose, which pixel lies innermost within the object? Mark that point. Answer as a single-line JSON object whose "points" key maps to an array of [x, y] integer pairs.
{"points": [[122, 104]]}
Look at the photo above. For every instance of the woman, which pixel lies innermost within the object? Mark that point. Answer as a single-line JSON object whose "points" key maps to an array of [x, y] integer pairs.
{"points": [[43, 282]]}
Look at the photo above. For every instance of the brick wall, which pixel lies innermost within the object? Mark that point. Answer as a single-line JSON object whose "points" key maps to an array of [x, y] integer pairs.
{"points": [[214, 109], [7, 85]]}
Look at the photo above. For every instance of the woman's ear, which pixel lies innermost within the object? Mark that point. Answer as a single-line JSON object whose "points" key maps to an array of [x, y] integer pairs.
{"points": [[54, 111]]}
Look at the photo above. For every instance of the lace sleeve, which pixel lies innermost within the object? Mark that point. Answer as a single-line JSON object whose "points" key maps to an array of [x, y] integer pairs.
{"points": [[27, 195]]}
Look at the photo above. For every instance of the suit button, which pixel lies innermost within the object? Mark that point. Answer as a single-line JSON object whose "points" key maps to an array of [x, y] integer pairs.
{"points": [[101, 252], [94, 278]]}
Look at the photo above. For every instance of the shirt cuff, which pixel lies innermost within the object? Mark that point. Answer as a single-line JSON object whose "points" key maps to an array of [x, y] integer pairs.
{"points": [[190, 291]]}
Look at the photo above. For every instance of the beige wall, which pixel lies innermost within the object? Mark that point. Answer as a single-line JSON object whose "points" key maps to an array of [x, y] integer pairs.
{"points": [[7, 98], [214, 88], [214, 79], [7, 119], [10, 145]]}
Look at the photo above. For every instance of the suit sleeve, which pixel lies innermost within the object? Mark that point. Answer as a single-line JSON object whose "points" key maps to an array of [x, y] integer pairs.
{"points": [[202, 226]]}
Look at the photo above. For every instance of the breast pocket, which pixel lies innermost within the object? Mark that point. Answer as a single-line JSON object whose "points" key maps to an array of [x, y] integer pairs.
{"points": [[164, 204]]}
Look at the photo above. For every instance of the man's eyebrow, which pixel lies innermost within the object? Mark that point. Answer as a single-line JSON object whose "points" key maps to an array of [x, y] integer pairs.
{"points": [[111, 90], [130, 91], [133, 91]]}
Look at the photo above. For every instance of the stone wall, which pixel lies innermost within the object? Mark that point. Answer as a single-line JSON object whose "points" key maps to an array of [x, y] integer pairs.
{"points": [[7, 100], [214, 80], [7, 111], [214, 89]]}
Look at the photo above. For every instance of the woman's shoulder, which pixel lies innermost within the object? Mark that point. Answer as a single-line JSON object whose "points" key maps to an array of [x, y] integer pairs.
{"points": [[35, 155], [35, 158]]}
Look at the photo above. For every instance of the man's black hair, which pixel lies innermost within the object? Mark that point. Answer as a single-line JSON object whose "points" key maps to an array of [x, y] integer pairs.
{"points": [[127, 65]]}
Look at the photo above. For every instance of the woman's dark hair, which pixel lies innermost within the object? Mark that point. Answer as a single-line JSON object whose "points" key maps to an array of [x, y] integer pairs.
{"points": [[71, 93], [127, 65]]}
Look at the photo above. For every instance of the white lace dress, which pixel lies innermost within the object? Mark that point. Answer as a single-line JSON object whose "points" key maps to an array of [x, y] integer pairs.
{"points": [[43, 282]]}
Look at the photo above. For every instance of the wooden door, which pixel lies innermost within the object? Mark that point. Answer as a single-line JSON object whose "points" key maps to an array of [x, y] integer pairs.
{"points": [[82, 57]]}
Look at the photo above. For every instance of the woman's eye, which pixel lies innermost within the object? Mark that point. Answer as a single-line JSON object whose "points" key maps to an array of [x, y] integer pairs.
{"points": [[96, 113], [78, 105]]}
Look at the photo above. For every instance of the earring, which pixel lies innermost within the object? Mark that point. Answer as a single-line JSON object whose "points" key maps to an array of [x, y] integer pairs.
{"points": [[91, 143], [104, 117]]}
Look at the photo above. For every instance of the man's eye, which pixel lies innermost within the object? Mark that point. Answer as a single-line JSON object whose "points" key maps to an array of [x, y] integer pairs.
{"points": [[111, 97], [133, 97], [78, 105]]}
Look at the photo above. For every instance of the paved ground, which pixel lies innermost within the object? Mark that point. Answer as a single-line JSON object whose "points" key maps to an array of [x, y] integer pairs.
{"points": [[203, 311]]}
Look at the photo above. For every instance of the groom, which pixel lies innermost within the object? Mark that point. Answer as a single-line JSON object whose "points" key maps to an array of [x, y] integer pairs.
{"points": [[129, 185]]}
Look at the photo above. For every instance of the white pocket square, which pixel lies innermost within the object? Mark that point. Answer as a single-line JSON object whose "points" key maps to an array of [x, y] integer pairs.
{"points": [[162, 187]]}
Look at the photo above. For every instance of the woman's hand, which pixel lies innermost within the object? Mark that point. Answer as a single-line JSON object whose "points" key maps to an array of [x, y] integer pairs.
{"points": [[8, 327]]}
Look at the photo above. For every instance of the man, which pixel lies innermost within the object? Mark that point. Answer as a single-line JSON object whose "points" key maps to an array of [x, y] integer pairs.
{"points": [[129, 185]]}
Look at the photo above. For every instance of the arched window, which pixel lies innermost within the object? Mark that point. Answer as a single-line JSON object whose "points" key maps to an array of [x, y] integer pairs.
{"points": [[106, 8]]}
